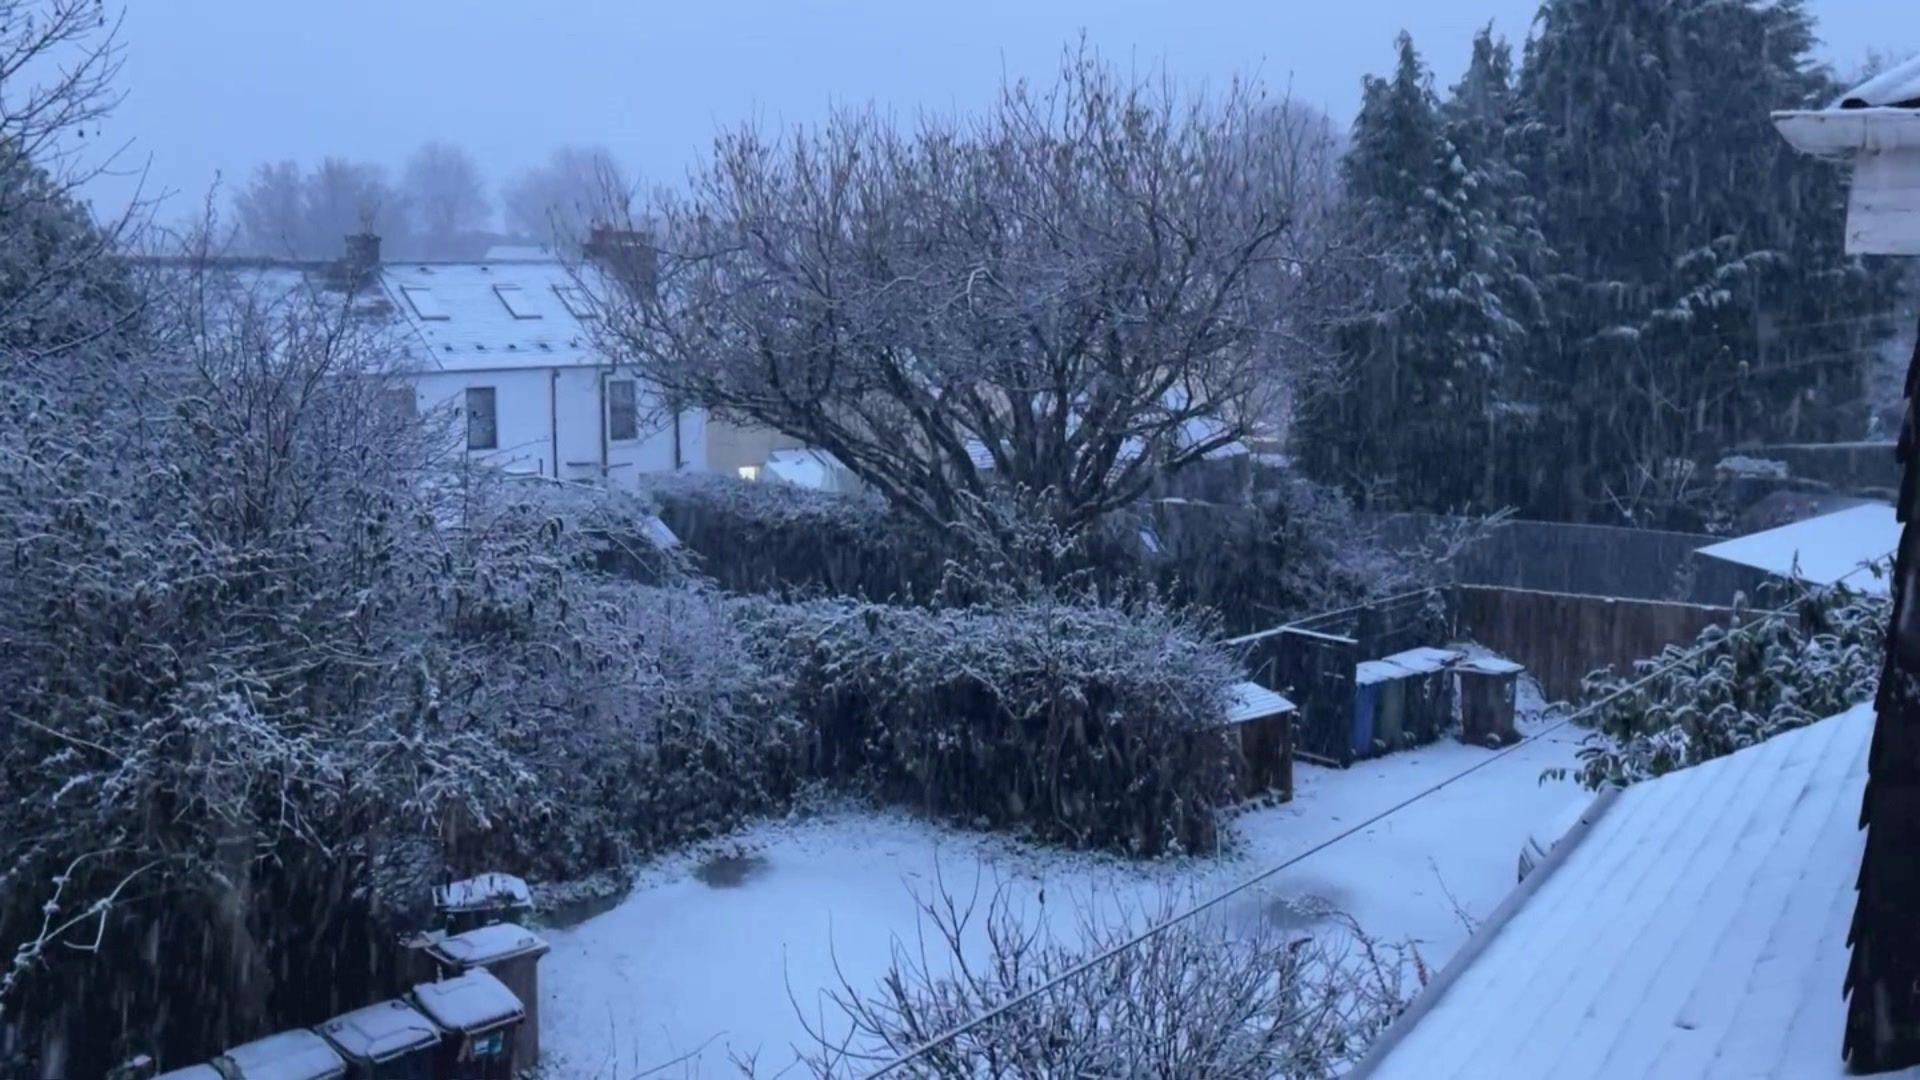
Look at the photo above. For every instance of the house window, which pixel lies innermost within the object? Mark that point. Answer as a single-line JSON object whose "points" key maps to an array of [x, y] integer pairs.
{"points": [[578, 303], [517, 302], [483, 430], [425, 305], [623, 421]]}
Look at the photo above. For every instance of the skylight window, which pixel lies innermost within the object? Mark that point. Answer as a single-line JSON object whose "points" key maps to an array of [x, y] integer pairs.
{"points": [[578, 304], [423, 302], [518, 303]]}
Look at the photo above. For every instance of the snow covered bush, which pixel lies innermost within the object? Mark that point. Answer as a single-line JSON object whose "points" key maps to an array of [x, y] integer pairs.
{"points": [[274, 658], [1749, 682], [776, 537], [1197, 1001], [1080, 722]]}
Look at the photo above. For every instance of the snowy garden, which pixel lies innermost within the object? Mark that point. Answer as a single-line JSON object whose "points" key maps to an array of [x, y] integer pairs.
{"points": [[1126, 388]]}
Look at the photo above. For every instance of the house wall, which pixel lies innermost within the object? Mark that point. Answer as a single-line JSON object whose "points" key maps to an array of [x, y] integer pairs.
{"points": [[550, 423], [730, 446]]}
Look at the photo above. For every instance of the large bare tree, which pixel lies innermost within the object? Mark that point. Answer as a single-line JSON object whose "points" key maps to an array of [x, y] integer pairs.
{"points": [[446, 196], [1091, 284]]}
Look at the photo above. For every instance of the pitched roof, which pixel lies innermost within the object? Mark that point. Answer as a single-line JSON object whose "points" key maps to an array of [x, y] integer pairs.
{"points": [[1251, 701], [1898, 87], [1842, 547], [1697, 928], [483, 316]]}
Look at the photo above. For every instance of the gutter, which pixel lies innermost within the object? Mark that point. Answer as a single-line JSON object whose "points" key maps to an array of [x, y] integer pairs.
{"points": [[1483, 936], [605, 468], [553, 417]]}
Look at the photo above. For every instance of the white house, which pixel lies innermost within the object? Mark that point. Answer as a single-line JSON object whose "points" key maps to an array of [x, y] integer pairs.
{"points": [[509, 346], [1876, 126]]}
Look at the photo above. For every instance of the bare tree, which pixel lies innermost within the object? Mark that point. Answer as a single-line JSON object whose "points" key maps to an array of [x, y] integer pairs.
{"points": [[341, 197], [1191, 1001], [446, 196], [560, 199], [1093, 284], [271, 211], [58, 60]]}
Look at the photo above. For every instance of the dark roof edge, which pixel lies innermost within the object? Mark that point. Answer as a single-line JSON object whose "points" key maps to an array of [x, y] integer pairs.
{"points": [[1483, 935]]}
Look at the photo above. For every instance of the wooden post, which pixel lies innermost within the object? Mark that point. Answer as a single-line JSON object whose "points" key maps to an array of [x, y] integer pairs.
{"points": [[1883, 975]]}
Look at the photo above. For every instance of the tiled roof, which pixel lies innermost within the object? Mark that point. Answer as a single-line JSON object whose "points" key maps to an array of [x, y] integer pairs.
{"points": [[1698, 928]]}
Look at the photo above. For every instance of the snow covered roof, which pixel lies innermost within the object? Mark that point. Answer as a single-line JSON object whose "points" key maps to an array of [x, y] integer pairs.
{"points": [[473, 316], [488, 945], [380, 1032], [289, 1055], [1830, 549], [1698, 927], [1251, 701], [470, 1003], [483, 891], [519, 253], [1423, 661], [1898, 87], [803, 468]]}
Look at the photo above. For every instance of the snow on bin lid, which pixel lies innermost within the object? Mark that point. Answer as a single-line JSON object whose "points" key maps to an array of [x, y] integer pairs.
{"points": [[1251, 701], [380, 1032], [290, 1055], [488, 945], [1423, 661], [1489, 665], [469, 1003], [1368, 672], [192, 1072], [483, 891]]}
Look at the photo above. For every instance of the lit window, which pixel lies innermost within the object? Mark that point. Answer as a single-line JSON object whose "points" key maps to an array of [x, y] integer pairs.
{"points": [[518, 303], [483, 430], [423, 302], [578, 303], [623, 421], [749, 472]]}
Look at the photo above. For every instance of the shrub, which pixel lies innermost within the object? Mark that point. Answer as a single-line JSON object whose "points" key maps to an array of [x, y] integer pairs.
{"points": [[1085, 723], [1194, 1001], [1748, 683]]}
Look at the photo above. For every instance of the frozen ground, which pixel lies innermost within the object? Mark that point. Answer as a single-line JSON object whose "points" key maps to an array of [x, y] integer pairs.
{"points": [[714, 958]]}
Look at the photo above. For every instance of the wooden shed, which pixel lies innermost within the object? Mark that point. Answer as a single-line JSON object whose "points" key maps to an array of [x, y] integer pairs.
{"points": [[1259, 723]]}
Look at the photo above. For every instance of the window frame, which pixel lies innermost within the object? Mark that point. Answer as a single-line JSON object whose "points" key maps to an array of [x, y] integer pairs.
{"points": [[492, 397], [632, 409]]}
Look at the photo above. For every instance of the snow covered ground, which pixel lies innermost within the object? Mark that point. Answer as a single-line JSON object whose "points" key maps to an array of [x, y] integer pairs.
{"points": [[713, 958]]}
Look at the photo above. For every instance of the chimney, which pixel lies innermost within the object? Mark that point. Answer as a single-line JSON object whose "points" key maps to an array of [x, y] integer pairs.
{"points": [[361, 261], [628, 255]]}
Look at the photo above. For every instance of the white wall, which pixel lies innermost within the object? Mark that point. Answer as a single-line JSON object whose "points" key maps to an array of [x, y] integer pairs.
{"points": [[527, 404]]}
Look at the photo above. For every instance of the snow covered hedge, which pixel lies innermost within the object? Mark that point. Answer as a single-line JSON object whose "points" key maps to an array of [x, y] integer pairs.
{"points": [[1084, 723], [1252, 553], [1749, 683]]}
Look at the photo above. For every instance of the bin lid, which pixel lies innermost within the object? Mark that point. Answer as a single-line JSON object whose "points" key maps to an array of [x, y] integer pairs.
{"points": [[1423, 661], [290, 1055], [380, 1033], [192, 1072], [1251, 701], [469, 1003], [483, 891], [1489, 665], [488, 945], [1368, 672]]}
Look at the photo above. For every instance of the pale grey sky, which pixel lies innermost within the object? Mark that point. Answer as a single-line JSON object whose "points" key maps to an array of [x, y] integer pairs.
{"points": [[220, 85]]}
